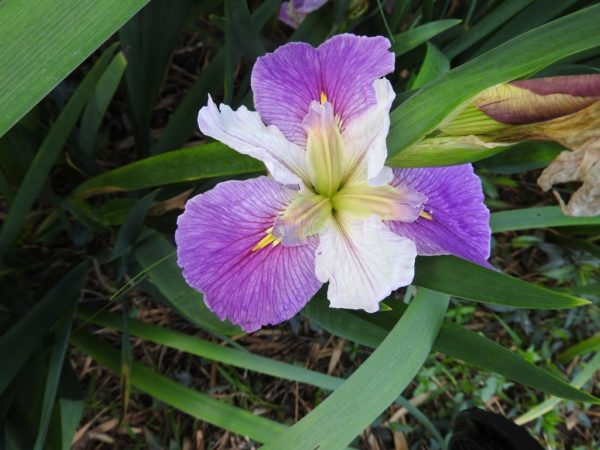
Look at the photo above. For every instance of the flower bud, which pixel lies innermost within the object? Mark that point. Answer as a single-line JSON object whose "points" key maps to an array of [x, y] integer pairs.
{"points": [[563, 109]]}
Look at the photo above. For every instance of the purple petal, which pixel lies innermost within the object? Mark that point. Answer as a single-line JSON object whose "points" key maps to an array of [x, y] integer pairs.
{"points": [[308, 6], [343, 68], [459, 222], [576, 85], [290, 16], [215, 239]]}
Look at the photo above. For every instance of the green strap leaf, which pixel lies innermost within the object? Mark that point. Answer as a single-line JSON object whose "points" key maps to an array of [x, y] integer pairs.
{"points": [[400, 9], [177, 166], [183, 121], [455, 341], [212, 351], [410, 39], [28, 333], [434, 66], [234, 357], [49, 151], [56, 365], [150, 38], [519, 57], [522, 157], [490, 22], [346, 324], [96, 109], [196, 404], [471, 347], [68, 411], [464, 279], [436, 152], [48, 39], [542, 217], [133, 225], [588, 345], [588, 371], [534, 15], [374, 385]]}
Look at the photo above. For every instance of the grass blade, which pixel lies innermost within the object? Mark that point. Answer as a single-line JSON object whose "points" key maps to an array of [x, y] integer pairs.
{"points": [[48, 153], [29, 332], [407, 40], [183, 121], [131, 228], [534, 15], [589, 345], [200, 406], [178, 166], [460, 343], [501, 14], [373, 386], [235, 357], [588, 371], [215, 352], [48, 40], [519, 57], [96, 108], [530, 218], [470, 281], [471, 347], [57, 359], [434, 66], [69, 411], [149, 39], [399, 11]]}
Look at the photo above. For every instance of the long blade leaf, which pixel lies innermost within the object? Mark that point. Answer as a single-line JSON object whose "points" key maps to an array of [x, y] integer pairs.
{"points": [[519, 57], [57, 358], [48, 153], [410, 39], [196, 404], [542, 217], [588, 345], [214, 352], [28, 333], [588, 371], [183, 121], [502, 13], [455, 341], [48, 39], [470, 281], [177, 166], [373, 386], [471, 347]]}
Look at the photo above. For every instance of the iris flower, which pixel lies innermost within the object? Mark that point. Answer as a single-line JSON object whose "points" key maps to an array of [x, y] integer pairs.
{"points": [[330, 211]]}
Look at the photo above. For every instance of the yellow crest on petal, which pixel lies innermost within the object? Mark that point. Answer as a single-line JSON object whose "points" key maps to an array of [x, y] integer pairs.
{"points": [[268, 239]]}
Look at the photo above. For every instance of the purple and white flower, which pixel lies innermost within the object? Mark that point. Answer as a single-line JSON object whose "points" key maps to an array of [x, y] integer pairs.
{"points": [[330, 211]]}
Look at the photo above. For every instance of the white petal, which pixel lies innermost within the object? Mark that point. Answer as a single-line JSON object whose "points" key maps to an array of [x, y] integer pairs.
{"points": [[363, 261], [382, 178], [244, 131], [365, 136]]}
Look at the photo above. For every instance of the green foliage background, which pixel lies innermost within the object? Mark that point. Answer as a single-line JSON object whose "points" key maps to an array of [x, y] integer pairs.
{"points": [[99, 149]]}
